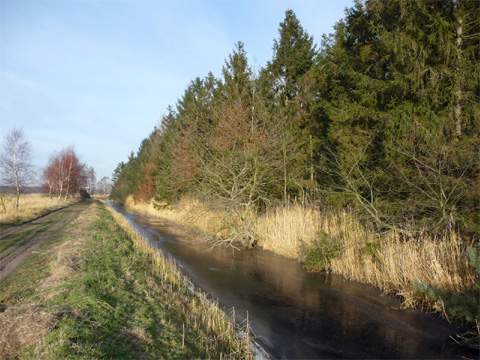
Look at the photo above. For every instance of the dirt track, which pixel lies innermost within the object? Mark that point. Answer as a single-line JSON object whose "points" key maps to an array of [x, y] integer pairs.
{"points": [[22, 240]]}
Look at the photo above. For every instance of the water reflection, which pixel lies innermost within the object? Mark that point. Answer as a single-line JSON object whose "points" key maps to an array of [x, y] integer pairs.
{"points": [[300, 315]]}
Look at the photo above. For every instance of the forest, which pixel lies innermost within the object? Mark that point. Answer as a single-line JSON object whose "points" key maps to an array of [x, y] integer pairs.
{"points": [[382, 118]]}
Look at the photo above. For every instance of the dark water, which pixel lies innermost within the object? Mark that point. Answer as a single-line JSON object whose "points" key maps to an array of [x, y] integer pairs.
{"points": [[295, 314]]}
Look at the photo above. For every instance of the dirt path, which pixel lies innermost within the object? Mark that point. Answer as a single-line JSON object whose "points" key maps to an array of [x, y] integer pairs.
{"points": [[17, 242]]}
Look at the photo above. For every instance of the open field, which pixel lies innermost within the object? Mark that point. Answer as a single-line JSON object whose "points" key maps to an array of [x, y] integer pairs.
{"points": [[94, 290], [425, 271], [31, 206]]}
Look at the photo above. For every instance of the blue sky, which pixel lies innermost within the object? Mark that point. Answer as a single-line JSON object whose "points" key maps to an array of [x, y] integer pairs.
{"points": [[99, 74]]}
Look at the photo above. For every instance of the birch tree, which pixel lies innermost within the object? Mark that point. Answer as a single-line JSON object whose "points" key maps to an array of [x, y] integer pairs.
{"points": [[15, 162]]}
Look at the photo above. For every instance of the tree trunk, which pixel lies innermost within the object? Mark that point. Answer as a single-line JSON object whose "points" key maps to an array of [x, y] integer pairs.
{"points": [[67, 193], [312, 169], [60, 189], [284, 150], [17, 190], [2, 203], [457, 112]]}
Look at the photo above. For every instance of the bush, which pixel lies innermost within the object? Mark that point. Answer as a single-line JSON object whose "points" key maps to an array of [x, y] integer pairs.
{"points": [[318, 256], [463, 306]]}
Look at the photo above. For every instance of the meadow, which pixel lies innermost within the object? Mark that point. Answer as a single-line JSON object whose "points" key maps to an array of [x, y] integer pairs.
{"points": [[30, 207]]}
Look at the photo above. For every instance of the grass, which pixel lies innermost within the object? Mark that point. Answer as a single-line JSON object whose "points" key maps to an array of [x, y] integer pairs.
{"points": [[21, 286], [337, 242], [14, 240], [211, 327], [98, 291], [289, 231], [19, 238], [24, 314], [31, 206]]}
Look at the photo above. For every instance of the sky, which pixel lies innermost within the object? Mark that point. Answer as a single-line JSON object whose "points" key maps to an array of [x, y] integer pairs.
{"points": [[99, 74]]}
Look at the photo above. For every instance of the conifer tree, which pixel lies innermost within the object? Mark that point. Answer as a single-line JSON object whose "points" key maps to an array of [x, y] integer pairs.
{"points": [[280, 82]]}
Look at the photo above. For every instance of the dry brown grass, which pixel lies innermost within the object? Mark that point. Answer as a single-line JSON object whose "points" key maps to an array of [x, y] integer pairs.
{"points": [[22, 326], [188, 211], [31, 206], [387, 261], [286, 230], [68, 253], [401, 265]]}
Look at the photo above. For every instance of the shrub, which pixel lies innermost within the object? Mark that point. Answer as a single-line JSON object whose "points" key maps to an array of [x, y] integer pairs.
{"points": [[318, 256]]}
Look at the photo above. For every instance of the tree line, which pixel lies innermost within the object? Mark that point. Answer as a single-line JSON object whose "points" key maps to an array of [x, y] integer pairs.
{"points": [[382, 117], [64, 175]]}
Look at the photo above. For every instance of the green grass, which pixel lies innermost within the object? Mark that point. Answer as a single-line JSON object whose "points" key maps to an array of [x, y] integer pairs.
{"points": [[10, 241], [18, 238], [118, 307], [21, 284]]}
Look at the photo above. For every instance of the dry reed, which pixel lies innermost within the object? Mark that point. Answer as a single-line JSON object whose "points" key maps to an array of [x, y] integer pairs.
{"points": [[191, 212], [387, 261]]}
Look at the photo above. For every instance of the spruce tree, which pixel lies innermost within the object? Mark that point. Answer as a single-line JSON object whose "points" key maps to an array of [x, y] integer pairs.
{"points": [[280, 84]]}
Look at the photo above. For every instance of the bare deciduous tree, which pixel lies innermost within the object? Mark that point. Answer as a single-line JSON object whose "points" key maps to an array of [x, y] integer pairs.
{"points": [[104, 185], [91, 180], [15, 162], [65, 175]]}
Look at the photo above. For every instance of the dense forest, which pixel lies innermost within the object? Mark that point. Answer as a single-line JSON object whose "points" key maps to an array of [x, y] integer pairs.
{"points": [[381, 117]]}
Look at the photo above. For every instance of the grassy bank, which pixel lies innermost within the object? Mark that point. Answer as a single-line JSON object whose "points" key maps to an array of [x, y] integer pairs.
{"points": [[96, 291], [30, 206], [434, 273]]}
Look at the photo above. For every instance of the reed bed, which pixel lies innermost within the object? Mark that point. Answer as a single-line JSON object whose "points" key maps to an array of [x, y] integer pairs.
{"points": [[188, 211], [199, 220], [201, 313], [406, 266], [31, 206], [288, 230], [388, 261]]}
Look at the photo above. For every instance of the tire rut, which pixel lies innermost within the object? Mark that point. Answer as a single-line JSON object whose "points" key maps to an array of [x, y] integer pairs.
{"points": [[38, 230]]}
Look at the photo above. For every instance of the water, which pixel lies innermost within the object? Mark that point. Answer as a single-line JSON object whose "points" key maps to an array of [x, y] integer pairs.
{"points": [[295, 314]]}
